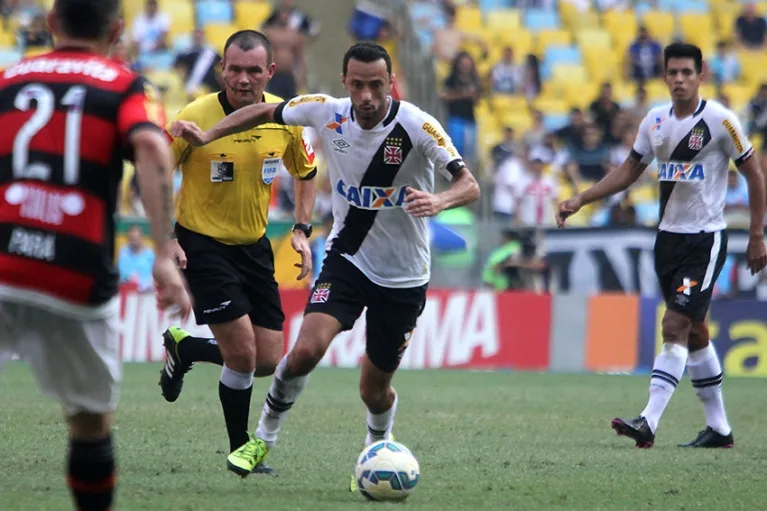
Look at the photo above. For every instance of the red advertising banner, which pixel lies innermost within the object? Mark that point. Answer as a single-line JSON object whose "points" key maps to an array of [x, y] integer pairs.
{"points": [[458, 329]]}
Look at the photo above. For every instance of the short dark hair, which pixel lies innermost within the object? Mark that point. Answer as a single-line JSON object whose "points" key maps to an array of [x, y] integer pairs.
{"points": [[367, 52], [86, 19], [684, 51], [247, 40]]}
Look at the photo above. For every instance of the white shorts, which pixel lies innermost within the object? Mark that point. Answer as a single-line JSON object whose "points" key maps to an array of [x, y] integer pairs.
{"points": [[75, 361]]}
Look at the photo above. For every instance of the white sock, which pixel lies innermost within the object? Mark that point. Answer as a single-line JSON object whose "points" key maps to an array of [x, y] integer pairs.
{"points": [[381, 424], [666, 373], [282, 394], [235, 380], [706, 375]]}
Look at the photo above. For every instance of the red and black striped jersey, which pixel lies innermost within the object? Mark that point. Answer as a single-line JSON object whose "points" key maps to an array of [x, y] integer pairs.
{"points": [[65, 120]]}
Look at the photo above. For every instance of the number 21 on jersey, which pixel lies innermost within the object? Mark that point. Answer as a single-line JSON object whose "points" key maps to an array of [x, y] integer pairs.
{"points": [[45, 100]]}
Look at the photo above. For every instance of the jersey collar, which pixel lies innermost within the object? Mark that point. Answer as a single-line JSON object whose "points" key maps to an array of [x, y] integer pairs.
{"points": [[228, 108], [701, 106], [390, 116]]}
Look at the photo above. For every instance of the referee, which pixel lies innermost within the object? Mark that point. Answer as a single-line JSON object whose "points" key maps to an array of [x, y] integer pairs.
{"points": [[221, 224]]}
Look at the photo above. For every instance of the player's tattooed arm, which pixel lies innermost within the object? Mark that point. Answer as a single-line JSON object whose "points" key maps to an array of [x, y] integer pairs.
{"points": [[617, 181]]}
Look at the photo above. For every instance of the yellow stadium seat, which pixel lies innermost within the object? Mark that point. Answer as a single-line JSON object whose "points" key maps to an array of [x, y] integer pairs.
{"points": [[521, 41], [251, 15], [593, 38], [657, 90], [546, 38], [620, 22], [568, 11], [503, 20], [708, 90], [580, 95], [572, 73], [551, 106], [621, 42], [643, 193], [602, 64], [725, 23], [503, 103], [739, 94], [660, 24], [521, 122], [468, 17], [7, 40], [585, 20], [216, 34], [697, 28], [624, 91], [181, 13], [169, 80]]}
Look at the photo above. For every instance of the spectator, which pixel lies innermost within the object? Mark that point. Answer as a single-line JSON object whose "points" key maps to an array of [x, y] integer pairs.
{"points": [[200, 66], [750, 29], [621, 123], [557, 157], [572, 134], [150, 29], [287, 40], [641, 105], [591, 161], [506, 149], [505, 181], [623, 214], [736, 198], [535, 194], [757, 113], [462, 90], [449, 40], [645, 58], [494, 274], [506, 77], [536, 134], [288, 15], [121, 54], [283, 82], [532, 77], [724, 66], [135, 261], [36, 35], [604, 108]]}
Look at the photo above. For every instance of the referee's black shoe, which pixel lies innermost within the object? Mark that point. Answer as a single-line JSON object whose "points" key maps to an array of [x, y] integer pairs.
{"points": [[172, 374], [637, 429], [708, 438]]}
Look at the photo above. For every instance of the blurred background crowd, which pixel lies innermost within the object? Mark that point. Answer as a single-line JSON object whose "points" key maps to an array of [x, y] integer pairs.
{"points": [[542, 97]]}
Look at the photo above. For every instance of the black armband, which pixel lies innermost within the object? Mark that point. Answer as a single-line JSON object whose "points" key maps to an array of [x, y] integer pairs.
{"points": [[311, 175], [278, 113], [455, 166]]}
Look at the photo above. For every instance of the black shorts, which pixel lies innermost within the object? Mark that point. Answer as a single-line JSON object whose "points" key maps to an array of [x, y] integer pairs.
{"points": [[687, 266], [231, 281], [342, 291]]}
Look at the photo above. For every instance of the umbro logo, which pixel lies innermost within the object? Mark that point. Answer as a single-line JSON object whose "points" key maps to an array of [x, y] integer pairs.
{"points": [[341, 145]]}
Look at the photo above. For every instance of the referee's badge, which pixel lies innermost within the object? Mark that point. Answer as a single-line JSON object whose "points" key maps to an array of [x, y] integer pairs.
{"points": [[269, 169]]}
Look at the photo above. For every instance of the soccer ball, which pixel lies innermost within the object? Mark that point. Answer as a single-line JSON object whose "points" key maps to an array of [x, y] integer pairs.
{"points": [[386, 470]]}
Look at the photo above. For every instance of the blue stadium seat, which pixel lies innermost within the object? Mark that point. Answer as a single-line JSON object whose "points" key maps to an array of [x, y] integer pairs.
{"points": [[8, 57], [689, 6], [642, 8], [554, 122], [182, 43], [559, 55], [161, 60], [214, 11], [490, 5], [541, 19]]}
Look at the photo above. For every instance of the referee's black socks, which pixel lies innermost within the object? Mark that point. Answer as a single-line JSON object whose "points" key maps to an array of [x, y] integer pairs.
{"points": [[91, 474], [200, 349], [234, 391]]}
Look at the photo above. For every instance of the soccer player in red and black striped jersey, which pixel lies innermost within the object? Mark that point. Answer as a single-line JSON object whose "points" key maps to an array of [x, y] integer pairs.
{"points": [[68, 119]]}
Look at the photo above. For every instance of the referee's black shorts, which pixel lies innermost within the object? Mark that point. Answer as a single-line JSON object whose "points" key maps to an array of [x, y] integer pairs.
{"points": [[687, 266], [231, 281]]}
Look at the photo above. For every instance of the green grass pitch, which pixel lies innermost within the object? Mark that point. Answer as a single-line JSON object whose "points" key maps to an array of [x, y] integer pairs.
{"points": [[484, 441]]}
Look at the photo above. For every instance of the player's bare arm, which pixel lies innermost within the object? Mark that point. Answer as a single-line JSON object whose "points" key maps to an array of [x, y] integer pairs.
{"points": [[757, 258], [154, 170], [243, 119], [305, 194], [463, 190], [614, 182]]}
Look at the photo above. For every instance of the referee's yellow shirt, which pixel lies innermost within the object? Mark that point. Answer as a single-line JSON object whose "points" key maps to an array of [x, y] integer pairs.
{"points": [[226, 185]]}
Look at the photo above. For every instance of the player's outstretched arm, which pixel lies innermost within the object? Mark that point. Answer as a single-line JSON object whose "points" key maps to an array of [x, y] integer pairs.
{"points": [[757, 201], [241, 120], [617, 181]]}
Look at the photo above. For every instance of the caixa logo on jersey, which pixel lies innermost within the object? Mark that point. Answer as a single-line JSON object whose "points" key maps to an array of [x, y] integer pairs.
{"points": [[677, 171], [372, 197]]}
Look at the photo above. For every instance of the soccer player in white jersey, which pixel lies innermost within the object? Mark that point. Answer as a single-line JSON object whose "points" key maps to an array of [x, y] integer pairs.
{"points": [[693, 140], [382, 155]]}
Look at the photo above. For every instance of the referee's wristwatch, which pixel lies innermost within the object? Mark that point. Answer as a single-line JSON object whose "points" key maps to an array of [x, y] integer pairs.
{"points": [[304, 228]]}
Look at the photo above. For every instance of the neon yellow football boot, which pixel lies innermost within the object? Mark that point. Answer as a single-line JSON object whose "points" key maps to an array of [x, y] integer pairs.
{"points": [[248, 457], [172, 374]]}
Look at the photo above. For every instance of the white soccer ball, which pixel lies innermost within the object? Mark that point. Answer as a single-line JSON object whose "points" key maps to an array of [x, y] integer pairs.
{"points": [[386, 470]]}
